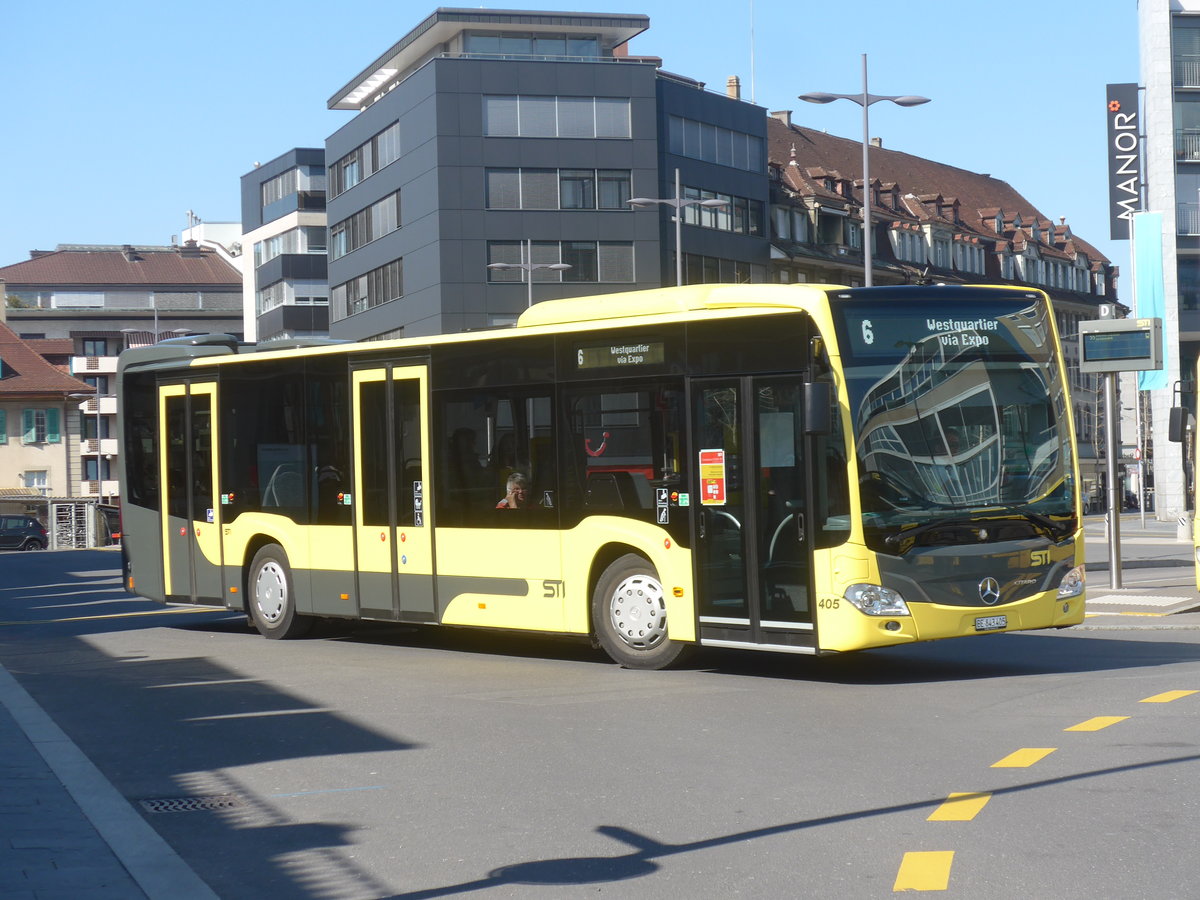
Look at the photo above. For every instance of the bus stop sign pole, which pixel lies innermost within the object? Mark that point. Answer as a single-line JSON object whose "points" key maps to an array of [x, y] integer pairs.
{"points": [[1113, 440]]}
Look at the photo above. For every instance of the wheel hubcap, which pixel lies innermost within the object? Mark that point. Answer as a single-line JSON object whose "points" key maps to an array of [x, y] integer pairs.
{"points": [[270, 592], [638, 612]]}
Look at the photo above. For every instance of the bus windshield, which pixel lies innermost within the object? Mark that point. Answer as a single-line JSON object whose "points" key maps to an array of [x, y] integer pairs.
{"points": [[959, 415]]}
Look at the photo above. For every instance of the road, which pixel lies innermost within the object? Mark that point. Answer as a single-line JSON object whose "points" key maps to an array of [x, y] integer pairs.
{"points": [[392, 762]]}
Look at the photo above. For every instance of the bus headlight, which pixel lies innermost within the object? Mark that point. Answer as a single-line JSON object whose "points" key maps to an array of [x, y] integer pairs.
{"points": [[875, 600], [1072, 584]]}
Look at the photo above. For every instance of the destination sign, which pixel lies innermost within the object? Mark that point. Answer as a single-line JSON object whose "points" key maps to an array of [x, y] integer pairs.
{"points": [[621, 355]]}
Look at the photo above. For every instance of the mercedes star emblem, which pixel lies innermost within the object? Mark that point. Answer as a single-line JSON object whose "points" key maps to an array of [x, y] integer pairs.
{"points": [[989, 590]]}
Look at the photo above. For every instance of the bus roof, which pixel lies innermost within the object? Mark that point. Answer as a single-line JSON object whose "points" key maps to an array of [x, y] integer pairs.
{"points": [[665, 301]]}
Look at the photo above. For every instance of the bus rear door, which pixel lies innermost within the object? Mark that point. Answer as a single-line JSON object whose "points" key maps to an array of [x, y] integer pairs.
{"points": [[393, 540], [191, 518], [753, 554]]}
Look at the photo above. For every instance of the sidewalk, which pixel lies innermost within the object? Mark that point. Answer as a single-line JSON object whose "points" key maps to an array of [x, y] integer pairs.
{"points": [[1157, 576], [66, 831]]}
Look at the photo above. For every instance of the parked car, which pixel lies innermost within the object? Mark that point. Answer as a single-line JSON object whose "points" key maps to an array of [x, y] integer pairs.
{"points": [[22, 533]]}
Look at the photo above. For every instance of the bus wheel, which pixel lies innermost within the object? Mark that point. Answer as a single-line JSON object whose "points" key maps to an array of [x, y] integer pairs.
{"points": [[629, 614], [272, 599]]}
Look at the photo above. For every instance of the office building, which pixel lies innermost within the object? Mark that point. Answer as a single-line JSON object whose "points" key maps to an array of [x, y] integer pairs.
{"points": [[285, 288], [518, 137]]}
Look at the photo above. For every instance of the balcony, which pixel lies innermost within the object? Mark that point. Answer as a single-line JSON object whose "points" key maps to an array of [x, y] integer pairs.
{"points": [[107, 447], [1185, 70], [108, 406], [106, 489], [93, 365], [1187, 219]]}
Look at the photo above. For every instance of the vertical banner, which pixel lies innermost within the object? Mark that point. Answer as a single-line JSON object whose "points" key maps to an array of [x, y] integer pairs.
{"points": [[1124, 158], [1149, 302]]}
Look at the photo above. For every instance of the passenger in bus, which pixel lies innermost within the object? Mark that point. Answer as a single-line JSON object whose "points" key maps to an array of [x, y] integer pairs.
{"points": [[517, 493]]}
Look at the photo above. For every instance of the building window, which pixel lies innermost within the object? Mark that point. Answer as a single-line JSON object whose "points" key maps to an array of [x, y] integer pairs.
{"points": [[280, 186], [713, 270], [373, 289], [365, 226], [305, 239], [739, 214], [712, 143], [538, 45], [40, 426], [565, 117], [590, 261], [558, 188], [37, 480], [365, 160], [95, 347]]}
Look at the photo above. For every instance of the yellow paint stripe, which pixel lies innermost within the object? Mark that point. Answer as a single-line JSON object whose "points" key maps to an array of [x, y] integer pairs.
{"points": [[1126, 613], [128, 615], [1097, 723], [1023, 758], [924, 870], [1167, 697], [960, 807]]}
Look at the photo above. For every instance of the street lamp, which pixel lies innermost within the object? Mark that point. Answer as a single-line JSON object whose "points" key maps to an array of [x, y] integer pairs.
{"points": [[677, 203], [529, 268], [865, 99]]}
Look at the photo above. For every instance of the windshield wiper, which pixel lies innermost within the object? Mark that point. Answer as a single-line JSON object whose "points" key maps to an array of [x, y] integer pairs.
{"points": [[1055, 528], [893, 539]]}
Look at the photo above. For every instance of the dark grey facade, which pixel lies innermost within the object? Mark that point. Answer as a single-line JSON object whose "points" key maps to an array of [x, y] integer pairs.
{"points": [[490, 148]]}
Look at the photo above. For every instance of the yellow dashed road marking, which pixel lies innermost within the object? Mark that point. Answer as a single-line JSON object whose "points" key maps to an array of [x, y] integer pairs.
{"points": [[960, 808], [1023, 758], [1167, 697], [924, 870], [1095, 724]]}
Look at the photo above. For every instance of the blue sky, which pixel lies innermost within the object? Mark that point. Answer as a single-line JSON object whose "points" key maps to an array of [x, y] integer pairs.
{"points": [[119, 117]]}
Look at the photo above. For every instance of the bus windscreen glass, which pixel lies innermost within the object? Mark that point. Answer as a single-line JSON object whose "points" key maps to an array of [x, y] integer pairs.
{"points": [[958, 412]]}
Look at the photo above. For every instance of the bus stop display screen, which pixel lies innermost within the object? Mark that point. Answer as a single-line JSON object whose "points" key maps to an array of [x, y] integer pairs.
{"points": [[1113, 345], [1120, 345]]}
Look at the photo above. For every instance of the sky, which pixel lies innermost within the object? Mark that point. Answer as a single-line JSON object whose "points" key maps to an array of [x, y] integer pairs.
{"points": [[120, 117]]}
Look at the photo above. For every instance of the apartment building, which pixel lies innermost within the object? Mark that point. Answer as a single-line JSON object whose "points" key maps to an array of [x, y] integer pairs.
{"points": [[93, 301], [284, 268]]}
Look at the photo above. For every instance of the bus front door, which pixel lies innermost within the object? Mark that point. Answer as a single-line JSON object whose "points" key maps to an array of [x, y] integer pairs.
{"points": [[753, 552], [191, 519], [393, 540]]}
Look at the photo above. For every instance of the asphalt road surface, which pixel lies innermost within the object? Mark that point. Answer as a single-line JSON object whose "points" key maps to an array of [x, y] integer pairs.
{"points": [[382, 761]]}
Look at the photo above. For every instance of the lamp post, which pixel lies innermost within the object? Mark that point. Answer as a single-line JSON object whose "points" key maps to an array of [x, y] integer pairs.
{"points": [[865, 99], [677, 203], [529, 267]]}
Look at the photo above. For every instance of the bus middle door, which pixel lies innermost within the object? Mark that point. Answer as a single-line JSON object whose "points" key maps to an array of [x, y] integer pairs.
{"points": [[753, 553], [393, 540], [191, 518]]}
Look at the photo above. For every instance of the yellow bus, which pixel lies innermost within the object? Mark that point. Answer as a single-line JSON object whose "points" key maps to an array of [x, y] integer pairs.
{"points": [[796, 468]]}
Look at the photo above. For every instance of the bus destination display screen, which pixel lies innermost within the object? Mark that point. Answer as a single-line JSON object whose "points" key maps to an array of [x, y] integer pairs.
{"points": [[619, 356]]}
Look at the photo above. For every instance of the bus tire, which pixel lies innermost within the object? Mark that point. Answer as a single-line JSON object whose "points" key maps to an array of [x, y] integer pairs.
{"points": [[629, 615], [272, 598]]}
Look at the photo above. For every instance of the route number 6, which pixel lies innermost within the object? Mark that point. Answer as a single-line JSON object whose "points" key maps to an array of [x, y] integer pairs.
{"points": [[868, 334]]}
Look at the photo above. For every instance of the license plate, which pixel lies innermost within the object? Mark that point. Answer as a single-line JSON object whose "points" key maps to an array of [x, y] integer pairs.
{"points": [[991, 623]]}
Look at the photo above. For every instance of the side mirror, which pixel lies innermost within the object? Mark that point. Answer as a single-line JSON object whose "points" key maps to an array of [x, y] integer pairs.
{"points": [[1177, 425], [818, 407]]}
